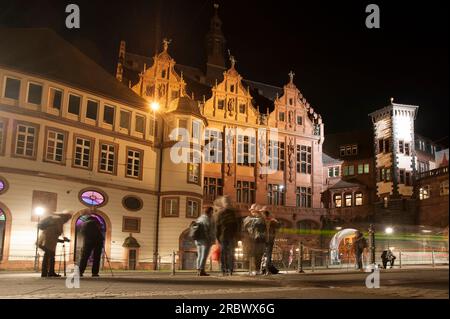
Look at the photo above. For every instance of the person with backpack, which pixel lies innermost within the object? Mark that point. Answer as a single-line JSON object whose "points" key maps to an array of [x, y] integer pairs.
{"points": [[92, 243], [52, 228], [227, 228], [202, 231], [359, 245], [255, 225]]}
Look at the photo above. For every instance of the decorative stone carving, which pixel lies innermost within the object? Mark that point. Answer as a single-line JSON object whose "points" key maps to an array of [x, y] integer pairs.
{"points": [[291, 155], [229, 150]]}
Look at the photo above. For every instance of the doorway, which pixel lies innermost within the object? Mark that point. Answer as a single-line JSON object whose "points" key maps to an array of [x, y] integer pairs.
{"points": [[79, 240]]}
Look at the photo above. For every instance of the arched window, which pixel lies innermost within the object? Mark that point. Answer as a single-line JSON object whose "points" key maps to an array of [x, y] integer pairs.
{"points": [[92, 198], [306, 226]]}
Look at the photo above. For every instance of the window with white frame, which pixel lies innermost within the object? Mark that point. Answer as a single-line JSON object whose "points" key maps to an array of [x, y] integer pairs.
{"points": [[134, 163], [26, 140], [348, 200], [443, 189], [107, 158], [358, 199], [171, 207], [108, 114], [246, 154], [338, 200], [55, 99], [83, 152], [34, 93], [212, 188], [12, 88], [55, 148], [196, 131], [193, 168], [424, 192], [192, 208], [333, 171], [213, 146]]}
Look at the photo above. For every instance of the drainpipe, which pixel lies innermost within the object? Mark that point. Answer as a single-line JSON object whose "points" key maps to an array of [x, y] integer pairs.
{"points": [[161, 151]]}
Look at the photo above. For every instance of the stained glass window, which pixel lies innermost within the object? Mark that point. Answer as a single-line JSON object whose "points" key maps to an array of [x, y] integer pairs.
{"points": [[92, 198], [2, 216], [2, 185]]}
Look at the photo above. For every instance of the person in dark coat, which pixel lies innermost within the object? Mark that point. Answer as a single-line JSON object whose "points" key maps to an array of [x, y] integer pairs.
{"points": [[255, 225], [226, 232], [206, 241], [93, 243], [387, 256], [359, 245], [271, 228]]}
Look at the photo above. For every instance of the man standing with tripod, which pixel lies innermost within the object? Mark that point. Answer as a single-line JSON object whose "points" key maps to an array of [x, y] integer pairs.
{"points": [[93, 243]]}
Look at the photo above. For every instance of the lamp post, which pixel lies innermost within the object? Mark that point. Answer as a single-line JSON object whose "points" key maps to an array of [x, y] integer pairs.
{"points": [[388, 231], [155, 107], [38, 211], [372, 243]]}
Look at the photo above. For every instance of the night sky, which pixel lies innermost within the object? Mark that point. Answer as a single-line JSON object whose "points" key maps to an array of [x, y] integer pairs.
{"points": [[343, 69]]}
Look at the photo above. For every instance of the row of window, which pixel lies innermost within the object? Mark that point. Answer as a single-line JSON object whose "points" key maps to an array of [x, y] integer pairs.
{"points": [[384, 146], [92, 112], [349, 170], [25, 145], [282, 118], [171, 207], [348, 199], [246, 152], [348, 150], [425, 191], [404, 176]]}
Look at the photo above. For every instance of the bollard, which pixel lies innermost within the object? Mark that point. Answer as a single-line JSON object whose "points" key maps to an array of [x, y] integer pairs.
{"points": [[400, 259], [432, 258], [159, 263], [313, 260], [300, 258], [173, 263]]}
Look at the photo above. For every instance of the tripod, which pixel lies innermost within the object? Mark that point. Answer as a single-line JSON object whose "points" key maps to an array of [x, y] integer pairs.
{"points": [[64, 257], [107, 259]]}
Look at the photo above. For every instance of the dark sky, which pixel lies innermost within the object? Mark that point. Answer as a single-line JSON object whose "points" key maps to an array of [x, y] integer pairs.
{"points": [[343, 69]]}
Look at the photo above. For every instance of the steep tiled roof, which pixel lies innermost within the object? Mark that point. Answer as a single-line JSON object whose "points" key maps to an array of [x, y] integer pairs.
{"points": [[42, 52]]}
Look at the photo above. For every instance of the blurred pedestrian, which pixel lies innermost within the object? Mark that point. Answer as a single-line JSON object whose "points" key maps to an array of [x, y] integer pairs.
{"points": [[52, 228], [92, 244], [227, 228], [359, 245], [255, 225], [205, 239], [271, 228]]}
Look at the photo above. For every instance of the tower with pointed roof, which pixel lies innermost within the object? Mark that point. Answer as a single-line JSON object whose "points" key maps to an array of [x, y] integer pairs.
{"points": [[215, 48]]}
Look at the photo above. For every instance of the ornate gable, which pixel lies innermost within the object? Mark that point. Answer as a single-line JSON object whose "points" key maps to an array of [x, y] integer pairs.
{"points": [[231, 100], [161, 82]]}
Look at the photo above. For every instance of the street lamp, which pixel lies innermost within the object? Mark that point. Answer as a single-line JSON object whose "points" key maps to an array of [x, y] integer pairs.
{"points": [[38, 211], [155, 106], [388, 231]]}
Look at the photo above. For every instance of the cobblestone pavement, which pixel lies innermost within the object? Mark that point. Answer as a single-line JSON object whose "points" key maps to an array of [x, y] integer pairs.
{"points": [[413, 283]]}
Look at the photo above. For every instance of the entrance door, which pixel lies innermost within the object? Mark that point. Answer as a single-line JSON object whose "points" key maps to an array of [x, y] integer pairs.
{"points": [[2, 231], [132, 259], [79, 240]]}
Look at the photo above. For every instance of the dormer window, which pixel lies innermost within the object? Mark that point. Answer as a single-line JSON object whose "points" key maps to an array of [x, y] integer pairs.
{"points": [[281, 116], [163, 74], [220, 104], [291, 101], [232, 88]]}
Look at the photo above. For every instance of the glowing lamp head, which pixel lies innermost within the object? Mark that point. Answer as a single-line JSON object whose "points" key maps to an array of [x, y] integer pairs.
{"points": [[39, 211], [154, 106], [389, 230]]}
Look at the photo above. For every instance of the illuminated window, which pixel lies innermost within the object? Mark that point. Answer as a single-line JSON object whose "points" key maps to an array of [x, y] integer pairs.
{"points": [[3, 186], [12, 88], [92, 198], [55, 148], [194, 168], [366, 168], [348, 200], [358, 199], [83, 152], [26, 140], [245, 192], [134, 163], [192, 208], [424, 192], [443, 188], [338, 200], [388, 174], [304, 197], [360, 169]]}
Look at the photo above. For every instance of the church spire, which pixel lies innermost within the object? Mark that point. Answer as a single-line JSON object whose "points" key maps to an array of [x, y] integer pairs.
{"points": [[215, 47]]}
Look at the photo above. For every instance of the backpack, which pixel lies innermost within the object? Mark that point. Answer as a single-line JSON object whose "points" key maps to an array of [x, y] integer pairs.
{"points": [[45, 223], [197, 231]]}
